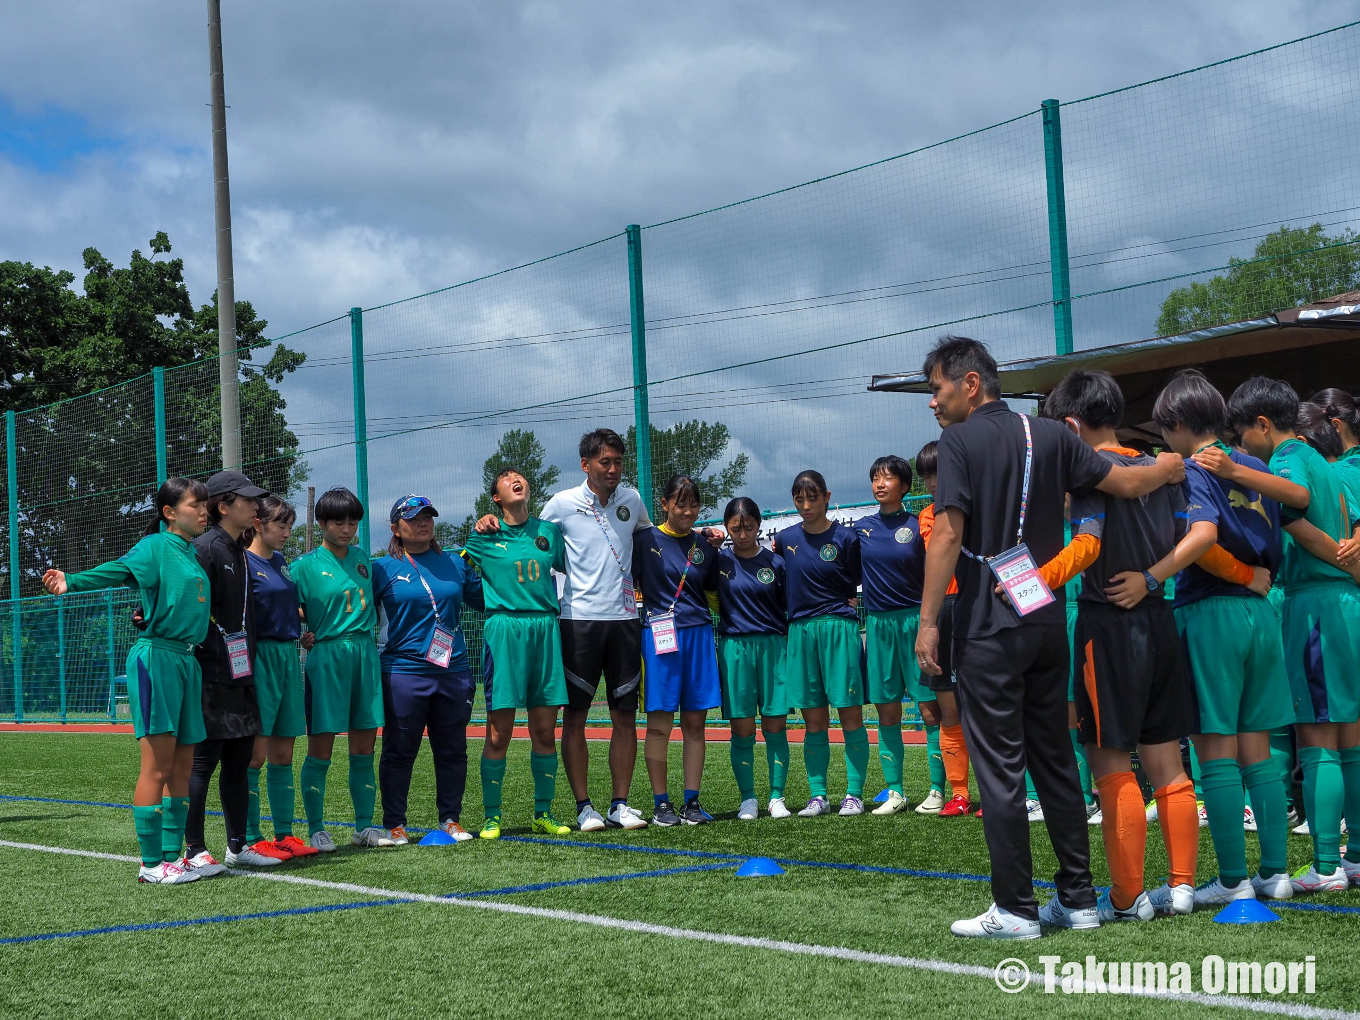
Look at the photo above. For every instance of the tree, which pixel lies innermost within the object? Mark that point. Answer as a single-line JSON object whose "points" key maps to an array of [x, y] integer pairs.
{"points": [[518, 449], [1287, 269], [688, 448]]}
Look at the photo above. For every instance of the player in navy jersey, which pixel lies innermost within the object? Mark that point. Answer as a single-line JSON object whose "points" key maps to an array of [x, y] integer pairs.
{"points": [[751, 644], [823, 660], [893, 555], [674, 566]]}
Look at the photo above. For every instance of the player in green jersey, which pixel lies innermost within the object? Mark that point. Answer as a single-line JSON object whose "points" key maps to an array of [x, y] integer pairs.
{"points": [[164, 679], [522, 660], [342, 675]]}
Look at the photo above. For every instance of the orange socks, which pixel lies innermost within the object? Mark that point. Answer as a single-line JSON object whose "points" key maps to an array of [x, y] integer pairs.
{"points": [[1124, 827], [955, 754], [1179, 818]]}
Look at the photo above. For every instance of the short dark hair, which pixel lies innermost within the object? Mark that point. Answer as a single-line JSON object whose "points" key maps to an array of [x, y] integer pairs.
{"points": [[502, 473], [1314, 426], [681, 487], [956, 356], [742, 506], [1260, 397], [339, 504], [173, 492], [892, 465], [1191, 401], [927, 460], [1339, 404], [593, 442], [808, 481], [270, 508], [217, 504], [1090, 396]]}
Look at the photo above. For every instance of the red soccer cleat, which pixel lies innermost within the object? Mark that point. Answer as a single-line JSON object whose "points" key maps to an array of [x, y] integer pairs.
{"points": [[294, 847], [958, 807], [268, 848]]}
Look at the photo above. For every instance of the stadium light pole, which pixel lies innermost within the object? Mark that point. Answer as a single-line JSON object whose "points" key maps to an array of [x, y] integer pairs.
{"points": [[226, 284]]}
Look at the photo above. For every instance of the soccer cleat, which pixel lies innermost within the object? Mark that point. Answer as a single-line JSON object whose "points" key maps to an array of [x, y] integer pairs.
{"points": [[693, 813], [1055, 915], [778, 809], [589, 820], [1034, 811], [816, 806], [1292, 819], [1093, 815], [1351, 869], [665, 815], [459, 834], [372, 836], [1141, 910], [1302, 829], [248, 857], [625, 816], [1203, 813], [932, 804], [295, 846], [1151, 811], [1276, 887], [397, 834], [1215, 894], [959, 806], [748, 810], [895, 803], [268, 848], [166, 873], [491, 828], [1308, 880], [547, 825], [851, 806], [996, 923], [203, 864], [1248, 819], [1172, 899], [321, 842]]}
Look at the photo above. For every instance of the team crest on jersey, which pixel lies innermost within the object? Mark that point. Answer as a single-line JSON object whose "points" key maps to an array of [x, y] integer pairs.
{"points": [[904, 535], [285, 573], [696, 555], [765, 575], [828, 552], [363, 570], [622, 513], [542, 543]]}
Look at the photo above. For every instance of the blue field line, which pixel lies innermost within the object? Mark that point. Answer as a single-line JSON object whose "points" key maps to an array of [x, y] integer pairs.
{"points": [[598, 879]]}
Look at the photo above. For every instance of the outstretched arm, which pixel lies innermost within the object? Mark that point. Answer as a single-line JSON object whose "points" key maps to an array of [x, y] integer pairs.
{"points": [[1131, 482]]}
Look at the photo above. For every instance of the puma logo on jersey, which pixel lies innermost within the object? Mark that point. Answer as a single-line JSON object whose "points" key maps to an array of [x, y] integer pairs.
{"points": [[503, 545], [791, 548], [1239, 501], [404, 577], [866, 532], [228, 567], [327, 573], [657, 551], [261, 573]]}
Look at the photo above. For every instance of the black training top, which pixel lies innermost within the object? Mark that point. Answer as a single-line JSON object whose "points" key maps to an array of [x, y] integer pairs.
{"points": [[224, 561], [981, 468]]}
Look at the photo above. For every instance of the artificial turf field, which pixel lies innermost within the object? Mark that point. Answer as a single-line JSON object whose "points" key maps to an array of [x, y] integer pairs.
{"points": [[533, 926]]}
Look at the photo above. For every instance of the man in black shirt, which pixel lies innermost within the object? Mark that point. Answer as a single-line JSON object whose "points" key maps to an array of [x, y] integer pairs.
{"points": [[1012, 669]]}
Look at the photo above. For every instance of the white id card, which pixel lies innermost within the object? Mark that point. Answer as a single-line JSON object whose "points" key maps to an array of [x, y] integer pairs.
{"points": [[663, 633], [441, 647], [629, 594], [1021, 581], [238, 651]]}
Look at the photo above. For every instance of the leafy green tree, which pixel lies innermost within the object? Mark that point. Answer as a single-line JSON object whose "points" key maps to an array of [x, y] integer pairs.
{"points": [[688, 448], [1290, 267], [518, 449]]}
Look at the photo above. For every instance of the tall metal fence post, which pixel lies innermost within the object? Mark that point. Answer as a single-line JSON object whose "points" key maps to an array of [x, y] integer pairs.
{"points": [[158, 384], [356, 342], [1057, 227], [61, 656], [641, 417], [113, 667], [16, 607]]}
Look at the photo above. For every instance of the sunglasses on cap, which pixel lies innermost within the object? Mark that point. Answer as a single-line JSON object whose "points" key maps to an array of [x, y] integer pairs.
{"points": [[410, 507]]}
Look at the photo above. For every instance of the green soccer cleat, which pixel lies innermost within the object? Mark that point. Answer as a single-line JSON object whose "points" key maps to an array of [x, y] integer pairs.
{"points": [[491, 828], [547, 825]]}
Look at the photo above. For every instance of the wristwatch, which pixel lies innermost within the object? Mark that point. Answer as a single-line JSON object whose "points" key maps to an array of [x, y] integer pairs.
{"points": [[1152, 582]]}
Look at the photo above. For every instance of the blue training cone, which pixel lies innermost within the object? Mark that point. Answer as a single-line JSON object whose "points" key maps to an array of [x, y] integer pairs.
{"points": [[1246, 912], [758, 867], [436, 837], [882, 796]]}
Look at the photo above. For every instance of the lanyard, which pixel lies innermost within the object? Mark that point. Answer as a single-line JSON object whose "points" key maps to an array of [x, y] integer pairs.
{"points": [[600, 521], [433, 603], [689, 559], [1024, 492]]}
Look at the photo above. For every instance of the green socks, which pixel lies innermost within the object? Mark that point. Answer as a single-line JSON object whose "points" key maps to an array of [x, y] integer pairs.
{"points": [[363, 789], [743, 753], [777, 757], [278, 783], [1266, 790], [1083, 769], [493, 775], [857, 760], [1225, 800], [544, 768], [253, 833], [816, 759], [147, 819], [174, 813], [1323, 800], [934, 758], [314, 791], [1197, 774], [1350, 776], [1030, 792], [890, 754], [1282, 754]]}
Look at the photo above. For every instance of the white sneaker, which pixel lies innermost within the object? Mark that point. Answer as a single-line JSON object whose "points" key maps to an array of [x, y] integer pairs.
{"points": [[1276, 887], [851, 806], [1308, 880], [250, 859], [589, 820], [166, 873], [1173, 899], [622, 816], [398, 836], [1142, 909], [1093, 814], [1055, 915], [1248, 819], [778, 809], [996, 923], [372, 836], [204, 863], [816, 806], [456, 831], [1215, 894], [1203, 814], [321, 840], [932, 804], [1151, 811], [895, 803], [749, 810], [1352, 870], [1033, 811]]}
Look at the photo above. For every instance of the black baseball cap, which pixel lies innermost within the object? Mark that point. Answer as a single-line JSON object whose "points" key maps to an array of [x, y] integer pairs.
{"points": [[233, 481], [409, 507]]}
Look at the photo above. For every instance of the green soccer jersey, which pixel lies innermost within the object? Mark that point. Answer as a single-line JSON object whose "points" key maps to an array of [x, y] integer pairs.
{"points": [[1329, 511], [515, 564], [336, 594], [1347, 468], [173, 585]]}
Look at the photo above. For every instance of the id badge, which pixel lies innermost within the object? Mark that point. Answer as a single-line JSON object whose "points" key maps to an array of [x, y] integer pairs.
{"points": [[629, 594], [663, 633], [1021, 581], [238, 652], [441, 648]]}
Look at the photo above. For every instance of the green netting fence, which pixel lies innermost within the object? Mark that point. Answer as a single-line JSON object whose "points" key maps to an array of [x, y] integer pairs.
{"points": [[734, 344]]}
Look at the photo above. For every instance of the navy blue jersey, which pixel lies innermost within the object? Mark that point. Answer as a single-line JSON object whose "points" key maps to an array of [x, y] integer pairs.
{"points": [[1248, 527], [659, 562], [751, 593], [273, 597], [408, 616], [893, 556], [821, 572]]}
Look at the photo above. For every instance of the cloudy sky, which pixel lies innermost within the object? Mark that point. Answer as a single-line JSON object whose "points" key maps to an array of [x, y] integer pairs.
{"points": [[379, 151]]}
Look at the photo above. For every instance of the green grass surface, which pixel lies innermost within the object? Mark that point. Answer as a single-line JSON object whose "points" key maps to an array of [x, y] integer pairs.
{"points": [[452, 959]]}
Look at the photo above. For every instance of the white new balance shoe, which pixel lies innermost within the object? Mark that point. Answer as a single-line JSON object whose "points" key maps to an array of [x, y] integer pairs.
{"points": [[1034, 812], [166, 873], [996, 923], [932, 804], [748, 810], [778, 809], [1276, 887], [895, 803], [589, 820], [1055, 915], [624, 816], [1173, 899], [249, 858], [1142, 909], [372, 836]]}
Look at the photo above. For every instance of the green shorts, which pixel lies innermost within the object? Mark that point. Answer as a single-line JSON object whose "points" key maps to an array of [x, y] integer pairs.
{"points": [[752, 670], [1322, 651], [344, 686], [278, 688], [822, 663], [890, 657], [165, 690], [1071, 648], [522, 662], [1236, 660]]}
